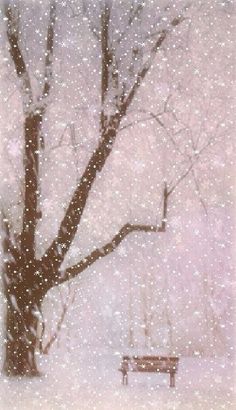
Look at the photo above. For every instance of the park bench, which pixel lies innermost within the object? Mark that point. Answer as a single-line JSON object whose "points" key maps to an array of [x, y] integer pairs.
{"points": [[153, 364]]}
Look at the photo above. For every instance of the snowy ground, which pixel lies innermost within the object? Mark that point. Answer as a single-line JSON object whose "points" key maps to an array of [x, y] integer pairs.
{"points": [[88, 380]]}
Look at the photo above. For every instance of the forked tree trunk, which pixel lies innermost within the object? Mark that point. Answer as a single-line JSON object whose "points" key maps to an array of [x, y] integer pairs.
{"points": [[27, 280]]}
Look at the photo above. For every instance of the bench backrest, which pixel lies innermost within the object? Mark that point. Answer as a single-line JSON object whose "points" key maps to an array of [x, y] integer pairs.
{"points": [[150, 363]]}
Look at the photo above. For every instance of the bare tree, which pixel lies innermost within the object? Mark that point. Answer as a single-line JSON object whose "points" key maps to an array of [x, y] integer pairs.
{"points": [[27, 279]]}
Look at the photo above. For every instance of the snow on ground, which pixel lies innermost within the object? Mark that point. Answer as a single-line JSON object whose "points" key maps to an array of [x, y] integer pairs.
{"points": [[89, 380]]}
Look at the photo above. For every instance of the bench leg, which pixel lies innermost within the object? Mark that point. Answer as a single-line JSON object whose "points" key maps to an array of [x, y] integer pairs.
{"points": [[172, 380], [125, 378]]}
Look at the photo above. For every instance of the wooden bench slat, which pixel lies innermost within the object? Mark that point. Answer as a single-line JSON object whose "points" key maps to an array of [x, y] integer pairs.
{"points": [[152, 364]]}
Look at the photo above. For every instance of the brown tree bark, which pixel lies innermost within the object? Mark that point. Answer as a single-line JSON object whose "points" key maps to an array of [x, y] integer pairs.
{"points": [[23, 279], [21, 328], [24, 291]]}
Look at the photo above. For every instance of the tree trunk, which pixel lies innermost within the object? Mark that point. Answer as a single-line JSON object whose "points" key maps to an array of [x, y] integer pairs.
{"points": [[20, 343], [22, 316]]}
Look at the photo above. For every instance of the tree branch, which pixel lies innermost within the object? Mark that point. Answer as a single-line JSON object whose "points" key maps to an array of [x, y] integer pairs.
{"points": [[105, 250], [135, 122], [31, 128], [56, 252], [49, 50], [134, 13], [199, 192], [191, 165], [12, 16], [106, 57], [33, 117], [143, 72], [108, 248], [108, 128]]}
